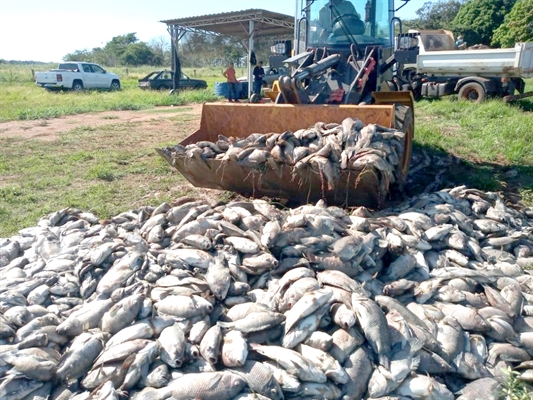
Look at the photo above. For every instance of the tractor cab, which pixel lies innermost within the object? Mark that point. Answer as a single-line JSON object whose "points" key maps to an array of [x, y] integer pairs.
{"points": [[344, 22]]}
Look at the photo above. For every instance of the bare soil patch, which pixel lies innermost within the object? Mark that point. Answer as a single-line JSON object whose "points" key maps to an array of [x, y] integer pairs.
{"points": [[157, 119]]}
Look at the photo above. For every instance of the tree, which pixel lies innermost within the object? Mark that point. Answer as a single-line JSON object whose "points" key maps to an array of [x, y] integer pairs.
{"points": [[478, 19], [517, 26], [435, 15], [138, 54], [160, 46], [116, 47], [79, 55]]}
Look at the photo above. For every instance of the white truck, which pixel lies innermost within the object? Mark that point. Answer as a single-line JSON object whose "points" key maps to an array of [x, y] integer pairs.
{"points": [[429, 64], [77, 76]]}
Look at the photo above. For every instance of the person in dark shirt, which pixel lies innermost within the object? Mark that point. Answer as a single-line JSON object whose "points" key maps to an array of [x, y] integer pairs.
{"points": [[259, 72]]}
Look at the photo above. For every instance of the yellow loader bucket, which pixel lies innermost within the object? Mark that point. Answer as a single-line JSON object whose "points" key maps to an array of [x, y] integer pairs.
{"points": [[281, 180]]}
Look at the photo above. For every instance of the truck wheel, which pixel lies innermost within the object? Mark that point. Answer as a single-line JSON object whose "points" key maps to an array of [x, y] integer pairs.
{"points": [[77, 86], [115, 85], [472, 91]]}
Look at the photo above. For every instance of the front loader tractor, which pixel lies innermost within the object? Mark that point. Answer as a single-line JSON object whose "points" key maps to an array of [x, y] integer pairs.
{"points": [[338, 71]]}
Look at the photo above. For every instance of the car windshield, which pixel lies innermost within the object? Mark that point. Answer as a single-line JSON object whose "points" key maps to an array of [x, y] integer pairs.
{"points": [[340, 21], [151, 76]]}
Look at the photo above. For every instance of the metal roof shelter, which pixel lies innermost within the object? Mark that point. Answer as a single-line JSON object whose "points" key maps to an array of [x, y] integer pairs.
{"points": [[246, 24]]}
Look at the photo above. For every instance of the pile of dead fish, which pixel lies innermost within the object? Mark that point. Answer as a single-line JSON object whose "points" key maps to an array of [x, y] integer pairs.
{"points": [[325, 149], [431, 300]]}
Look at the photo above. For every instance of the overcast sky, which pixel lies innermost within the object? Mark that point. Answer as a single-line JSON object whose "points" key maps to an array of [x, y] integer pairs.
{"points": [[47, 30]]}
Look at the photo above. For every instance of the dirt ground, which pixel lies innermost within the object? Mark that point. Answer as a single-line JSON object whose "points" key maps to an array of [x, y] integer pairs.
{"points": [[429, 171], [160, 124], [49, 129]]}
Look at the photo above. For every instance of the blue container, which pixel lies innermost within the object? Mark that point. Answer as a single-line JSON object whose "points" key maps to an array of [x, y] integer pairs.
{"points": [[221, 89]]}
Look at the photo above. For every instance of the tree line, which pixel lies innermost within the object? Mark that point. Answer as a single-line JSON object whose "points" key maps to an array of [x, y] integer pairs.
{"points": [[495, 23], [196, 50]]}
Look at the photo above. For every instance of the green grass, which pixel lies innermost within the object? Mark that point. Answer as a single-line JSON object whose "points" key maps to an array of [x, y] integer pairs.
{"points": [[28, 102], [492, 130], [108, 169], [515, 389], [21, 99], [490, 138], [98, 169]]}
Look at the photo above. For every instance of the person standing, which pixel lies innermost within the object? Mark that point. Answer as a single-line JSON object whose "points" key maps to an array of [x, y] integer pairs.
{"points": [[259, 72], [229, 74]]}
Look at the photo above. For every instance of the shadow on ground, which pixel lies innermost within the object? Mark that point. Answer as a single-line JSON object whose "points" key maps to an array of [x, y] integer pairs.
{"points": [[433, 170]]}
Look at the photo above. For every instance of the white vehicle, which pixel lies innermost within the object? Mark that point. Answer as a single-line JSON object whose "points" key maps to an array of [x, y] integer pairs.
{"points": [[77, 76], [430, 65]]}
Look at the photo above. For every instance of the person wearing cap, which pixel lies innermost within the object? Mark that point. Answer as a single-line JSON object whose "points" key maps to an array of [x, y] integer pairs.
{"points": [[258, 72]]}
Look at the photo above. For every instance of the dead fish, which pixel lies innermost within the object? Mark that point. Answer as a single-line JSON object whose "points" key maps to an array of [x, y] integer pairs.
{"points": [[255, 321], [309, 303], [79, 360], [208, 385], [374, 325], [292, 362], [184, 306], [260, 379], [172, 342]]}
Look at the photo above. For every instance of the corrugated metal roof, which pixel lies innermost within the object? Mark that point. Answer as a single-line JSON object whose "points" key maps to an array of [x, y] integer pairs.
{"points": [[267, 23]]}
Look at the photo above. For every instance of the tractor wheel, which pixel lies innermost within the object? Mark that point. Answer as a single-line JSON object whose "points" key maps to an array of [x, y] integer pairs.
{"points": [[255, 98]]}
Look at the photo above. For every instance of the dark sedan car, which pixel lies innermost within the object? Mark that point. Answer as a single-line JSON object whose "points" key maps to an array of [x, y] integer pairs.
{"points": [[163, 80]]}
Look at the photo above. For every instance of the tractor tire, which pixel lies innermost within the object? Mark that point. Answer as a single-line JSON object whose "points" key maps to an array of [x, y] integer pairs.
{"points": [[472, 91], [255, 98]]}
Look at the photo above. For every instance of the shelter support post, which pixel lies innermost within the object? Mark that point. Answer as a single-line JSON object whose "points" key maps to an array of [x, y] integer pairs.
{"points": [[251, 29], [175, 36]]}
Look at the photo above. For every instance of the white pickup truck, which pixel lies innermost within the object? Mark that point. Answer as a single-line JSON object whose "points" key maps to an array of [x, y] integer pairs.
{"points": [[77, 76]]}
